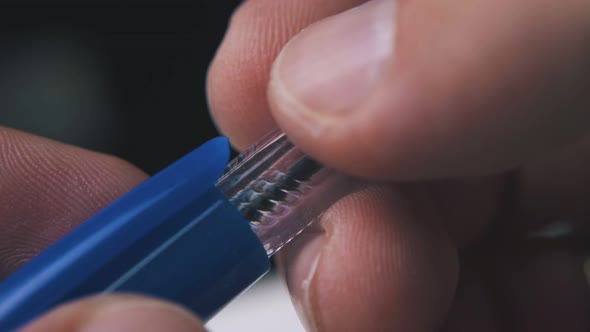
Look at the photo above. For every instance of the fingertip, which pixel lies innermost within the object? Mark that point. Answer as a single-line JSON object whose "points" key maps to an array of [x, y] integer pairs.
{"points": [[236, 98], [380, 264], [458, 94], [53, 187], [239, 74], [323, 81], [116, 313], [300, 262]]}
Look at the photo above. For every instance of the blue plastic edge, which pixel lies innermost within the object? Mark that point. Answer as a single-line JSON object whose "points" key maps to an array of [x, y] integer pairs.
{"points": [[174, 236]]}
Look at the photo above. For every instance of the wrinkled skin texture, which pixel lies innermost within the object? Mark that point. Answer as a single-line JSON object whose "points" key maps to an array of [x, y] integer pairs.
{"points": [[477, 133], [477, 129]]}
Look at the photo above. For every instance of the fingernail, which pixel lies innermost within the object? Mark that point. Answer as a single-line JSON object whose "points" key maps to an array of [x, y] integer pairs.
{"points": [[302, 259], [333, 65], [140, 315]]}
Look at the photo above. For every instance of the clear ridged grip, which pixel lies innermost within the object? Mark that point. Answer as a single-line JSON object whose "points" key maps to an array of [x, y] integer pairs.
{"points": [[280, 190]]}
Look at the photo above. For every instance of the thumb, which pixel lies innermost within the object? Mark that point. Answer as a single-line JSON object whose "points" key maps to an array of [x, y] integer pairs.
{"points": [[116, 313], [429, 88]]}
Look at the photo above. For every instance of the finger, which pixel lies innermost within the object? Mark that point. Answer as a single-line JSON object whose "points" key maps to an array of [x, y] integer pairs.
{"points": [[47, 188], [238, 77], [381, 264], [429, 88], [117, 313]]}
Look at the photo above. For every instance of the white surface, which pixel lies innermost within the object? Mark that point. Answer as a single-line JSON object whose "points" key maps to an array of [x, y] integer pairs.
{"points": [[265, 307]]}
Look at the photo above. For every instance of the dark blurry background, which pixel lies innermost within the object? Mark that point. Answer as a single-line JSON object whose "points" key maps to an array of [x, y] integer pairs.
{"points": [[126, 79]]}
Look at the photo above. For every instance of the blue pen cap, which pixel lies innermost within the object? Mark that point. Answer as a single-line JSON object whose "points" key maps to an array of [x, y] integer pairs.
{"points": [[174, 237]]}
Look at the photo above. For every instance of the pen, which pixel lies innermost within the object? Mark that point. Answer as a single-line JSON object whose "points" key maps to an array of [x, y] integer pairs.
{"points": [[192, 234]]}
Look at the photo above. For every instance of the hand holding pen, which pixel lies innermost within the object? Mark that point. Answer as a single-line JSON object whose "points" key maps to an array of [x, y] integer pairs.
{"points": [[474, 110]]}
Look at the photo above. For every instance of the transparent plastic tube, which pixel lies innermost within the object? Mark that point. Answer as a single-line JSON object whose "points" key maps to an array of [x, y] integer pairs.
{"points": [[280, 190]]}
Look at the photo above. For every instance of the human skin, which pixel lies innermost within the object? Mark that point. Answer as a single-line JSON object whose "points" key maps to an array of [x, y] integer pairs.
{"points": [[474, 117], [46, 189], [471, 115]]}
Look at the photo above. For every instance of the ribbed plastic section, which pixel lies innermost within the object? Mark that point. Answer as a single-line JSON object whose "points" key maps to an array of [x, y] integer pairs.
{"points": [[280, 190]]}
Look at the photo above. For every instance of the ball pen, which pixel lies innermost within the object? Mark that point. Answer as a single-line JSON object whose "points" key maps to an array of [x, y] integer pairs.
{"points": [[198, 233]]}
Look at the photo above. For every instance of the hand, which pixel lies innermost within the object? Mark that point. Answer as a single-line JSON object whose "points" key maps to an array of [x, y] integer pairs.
{"points": [[474, 114], [46, 189]]}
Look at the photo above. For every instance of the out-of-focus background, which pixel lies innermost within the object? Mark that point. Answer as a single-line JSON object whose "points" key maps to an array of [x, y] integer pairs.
{"points": [[127, 79]]}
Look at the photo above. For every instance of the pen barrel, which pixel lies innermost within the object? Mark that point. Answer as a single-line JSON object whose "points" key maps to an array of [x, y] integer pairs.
{"points": [[205, 263], [174, 237]]}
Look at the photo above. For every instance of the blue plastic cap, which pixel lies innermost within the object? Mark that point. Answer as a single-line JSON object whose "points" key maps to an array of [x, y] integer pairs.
{"points": [[175, 237]]}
